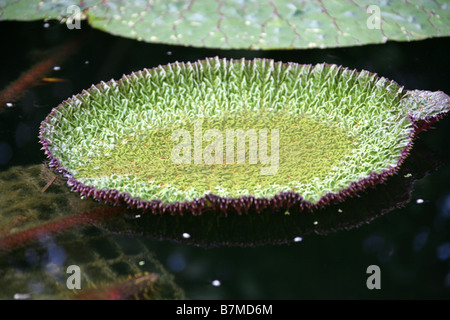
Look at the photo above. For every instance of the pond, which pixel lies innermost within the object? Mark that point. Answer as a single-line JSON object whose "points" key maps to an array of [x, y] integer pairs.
{"points": [[401, 226]]}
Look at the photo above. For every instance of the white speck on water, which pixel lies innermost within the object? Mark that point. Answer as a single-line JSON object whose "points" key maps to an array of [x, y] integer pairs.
{"points": [[298, 239], [56, 68], [22, 296], [186, 235], [419, 201], [216, 283], [9, 104]]}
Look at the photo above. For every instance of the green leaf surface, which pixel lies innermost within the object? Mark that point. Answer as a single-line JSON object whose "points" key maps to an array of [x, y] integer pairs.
{"points": [[249, 24], [336, 128]]}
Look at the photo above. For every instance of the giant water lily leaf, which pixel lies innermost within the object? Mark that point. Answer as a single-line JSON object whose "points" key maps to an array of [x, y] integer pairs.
{"points": [[249, 24], [174, 138]]}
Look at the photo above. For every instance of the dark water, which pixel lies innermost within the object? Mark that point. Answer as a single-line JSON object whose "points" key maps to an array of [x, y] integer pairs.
{"points": [[410, 244]]}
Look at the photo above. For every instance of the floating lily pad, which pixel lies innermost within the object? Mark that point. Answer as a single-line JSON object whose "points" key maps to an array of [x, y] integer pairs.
{"points": [[249, 24], [236, 135]]}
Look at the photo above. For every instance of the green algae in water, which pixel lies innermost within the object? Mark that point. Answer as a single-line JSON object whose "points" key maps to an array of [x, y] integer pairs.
{"points": [[307, 149]]}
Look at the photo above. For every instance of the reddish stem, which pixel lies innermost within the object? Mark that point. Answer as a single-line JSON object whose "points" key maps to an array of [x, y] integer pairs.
{"points": [[14, 90], [56, 226], [121, 290]]}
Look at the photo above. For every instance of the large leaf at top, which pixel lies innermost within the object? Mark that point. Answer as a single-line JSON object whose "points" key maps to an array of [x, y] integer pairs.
{"points": [[250, 24]]}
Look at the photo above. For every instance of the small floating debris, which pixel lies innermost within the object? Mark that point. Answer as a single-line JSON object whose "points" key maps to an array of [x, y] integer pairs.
{"points": [[216, 283]]}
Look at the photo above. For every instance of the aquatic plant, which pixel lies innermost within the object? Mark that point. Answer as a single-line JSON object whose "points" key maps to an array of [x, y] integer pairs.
{"points": [[340, 131], [43, 226], [25, 205], [251, 24], [128, 271]]}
